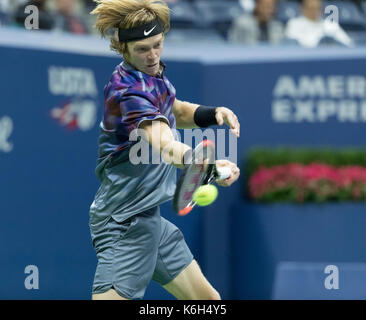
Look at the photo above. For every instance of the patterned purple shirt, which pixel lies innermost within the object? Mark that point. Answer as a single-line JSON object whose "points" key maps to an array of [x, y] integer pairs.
{"points": [[131, 97]]}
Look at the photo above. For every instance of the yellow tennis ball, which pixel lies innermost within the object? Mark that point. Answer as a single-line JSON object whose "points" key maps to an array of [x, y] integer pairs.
{"points": [[205, 195]]}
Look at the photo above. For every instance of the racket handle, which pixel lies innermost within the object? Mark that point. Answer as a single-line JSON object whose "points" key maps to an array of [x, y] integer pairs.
{"points": [[223, 173]]}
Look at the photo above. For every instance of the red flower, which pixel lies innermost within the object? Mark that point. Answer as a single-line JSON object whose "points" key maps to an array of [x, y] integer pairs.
{"points": [[316, 180]]}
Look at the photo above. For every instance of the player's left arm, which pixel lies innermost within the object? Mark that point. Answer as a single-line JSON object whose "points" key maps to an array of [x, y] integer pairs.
{"points": [[184, 113]]}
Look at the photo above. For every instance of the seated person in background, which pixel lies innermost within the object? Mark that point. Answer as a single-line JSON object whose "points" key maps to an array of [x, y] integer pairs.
{"points": [[66, 19], [89, 4], [358, 3], [45, 21], [309, 29], [4, 19], [258, 27], [4, 12]]}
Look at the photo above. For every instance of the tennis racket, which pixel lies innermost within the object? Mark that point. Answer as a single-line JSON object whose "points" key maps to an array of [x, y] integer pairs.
{"points": [[200, 170]]}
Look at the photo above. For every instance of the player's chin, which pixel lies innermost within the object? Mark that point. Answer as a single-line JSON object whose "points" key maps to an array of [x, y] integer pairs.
{"points": [[152, 70]]}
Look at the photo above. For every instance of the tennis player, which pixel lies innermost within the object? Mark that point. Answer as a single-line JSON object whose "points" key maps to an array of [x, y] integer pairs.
{"points": [[133, 243]]}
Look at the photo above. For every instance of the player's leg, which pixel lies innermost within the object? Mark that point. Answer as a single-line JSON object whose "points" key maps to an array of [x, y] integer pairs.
{"points": [[191, 284], [176, 270], [127, 253]]}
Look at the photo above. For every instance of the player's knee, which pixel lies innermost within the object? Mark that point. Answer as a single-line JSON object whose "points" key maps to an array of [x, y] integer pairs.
{"points": [[212, 295], [215, 295]]}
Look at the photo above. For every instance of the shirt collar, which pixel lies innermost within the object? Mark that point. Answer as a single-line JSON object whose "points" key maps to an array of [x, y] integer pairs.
{"points": [[126, 66]]}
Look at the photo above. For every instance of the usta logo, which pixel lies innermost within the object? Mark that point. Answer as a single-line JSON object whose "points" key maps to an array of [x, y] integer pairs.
{"points": [[76, 114]]}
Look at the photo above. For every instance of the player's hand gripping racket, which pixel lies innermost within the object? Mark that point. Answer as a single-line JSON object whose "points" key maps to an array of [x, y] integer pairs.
{"points": [[199, 170]]}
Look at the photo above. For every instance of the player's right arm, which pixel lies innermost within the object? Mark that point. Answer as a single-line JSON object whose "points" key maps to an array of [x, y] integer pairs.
{"points": [[161, 138], [136, 106]]}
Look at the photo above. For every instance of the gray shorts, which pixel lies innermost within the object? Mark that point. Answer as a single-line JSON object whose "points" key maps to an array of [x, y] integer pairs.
{"points": [[131, 253]]}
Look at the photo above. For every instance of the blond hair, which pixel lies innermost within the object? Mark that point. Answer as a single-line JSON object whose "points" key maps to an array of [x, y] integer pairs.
{"points": [[128, 14]]}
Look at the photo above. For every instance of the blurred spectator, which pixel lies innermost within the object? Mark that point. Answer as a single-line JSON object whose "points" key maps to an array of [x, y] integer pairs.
{"points": [[5, 6], [260, 26], [86, 7], [89, 5], [4, 12], [358, 3], [9, 6], [4, 19], [66, 18], [45, 21], [247, 5], [310, 29]]}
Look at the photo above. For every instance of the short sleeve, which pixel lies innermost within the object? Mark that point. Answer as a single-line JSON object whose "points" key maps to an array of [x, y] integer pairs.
{"points": [[137, 106]]}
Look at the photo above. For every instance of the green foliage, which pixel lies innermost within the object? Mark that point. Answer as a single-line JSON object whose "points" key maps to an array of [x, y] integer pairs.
{"points": [[271, 157]]}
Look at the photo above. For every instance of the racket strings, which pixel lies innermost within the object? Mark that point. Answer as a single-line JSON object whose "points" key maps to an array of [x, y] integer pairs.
{"points": [[200, 171]]}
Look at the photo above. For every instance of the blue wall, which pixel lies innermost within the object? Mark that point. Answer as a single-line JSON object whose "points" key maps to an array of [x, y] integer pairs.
{"points": [[48, 180], [264, 236]]}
